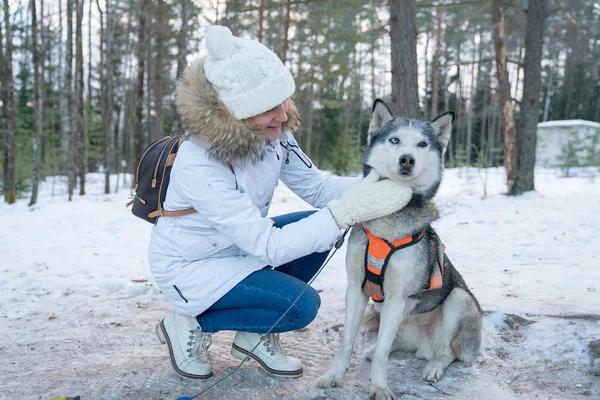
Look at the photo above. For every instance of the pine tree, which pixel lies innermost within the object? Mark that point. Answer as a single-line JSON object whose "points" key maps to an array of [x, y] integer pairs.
{"points": [[530, 104], [503, 92], [37, 125], [10, 114], [403, 33]]}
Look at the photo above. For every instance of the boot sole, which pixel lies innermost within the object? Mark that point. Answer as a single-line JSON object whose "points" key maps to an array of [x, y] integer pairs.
{"points": [[163, 337], [241, 354]]}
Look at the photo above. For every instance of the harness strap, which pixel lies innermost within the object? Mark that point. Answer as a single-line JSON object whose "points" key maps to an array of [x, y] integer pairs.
{"points": [[377, 254]]}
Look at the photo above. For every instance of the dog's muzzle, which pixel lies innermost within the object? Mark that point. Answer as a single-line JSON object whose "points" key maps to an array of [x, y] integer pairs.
{"points": [[407, 162]]}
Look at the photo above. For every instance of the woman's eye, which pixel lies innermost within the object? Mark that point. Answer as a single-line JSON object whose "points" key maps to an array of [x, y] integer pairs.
{"points": [[394, 140], [422, 144]]}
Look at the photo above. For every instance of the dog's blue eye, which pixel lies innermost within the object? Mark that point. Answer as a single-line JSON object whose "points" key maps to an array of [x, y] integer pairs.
{"points": [[422, 144], [394, 140]]}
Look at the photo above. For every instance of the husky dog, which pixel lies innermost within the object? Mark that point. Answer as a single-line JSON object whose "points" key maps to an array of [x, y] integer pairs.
{"points": [[427, 306]]}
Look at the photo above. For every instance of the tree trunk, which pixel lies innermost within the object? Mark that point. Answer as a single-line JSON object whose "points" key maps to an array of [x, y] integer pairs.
{"points": [[64, 93], [311, 113], [475, 80], [459, 108], [450, 150], [3, 111], [181, 57], [37, 121], [403, 33], [495, 127], [483, 139], [435, 63], [530, 104], [10, 193], [123, 88], [426, 116], [347, 113], [373, 91], [67, 101], [69, 137], [149, 79], [286, 31], [80, 144], [360, 78], [88, 108], [311, 98], [471, 109], [158, 71], [549, 86], [261, 19], [504, 98], [106, 38], [138, 138], [73, 107], [182, 38], [43, 51]]}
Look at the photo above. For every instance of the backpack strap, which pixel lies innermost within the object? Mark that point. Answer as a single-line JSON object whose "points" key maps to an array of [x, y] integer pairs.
{"points": [[163, 213]]}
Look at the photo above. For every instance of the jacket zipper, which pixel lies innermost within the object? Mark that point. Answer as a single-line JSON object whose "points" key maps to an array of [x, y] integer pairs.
{"points": [[291, 148]]}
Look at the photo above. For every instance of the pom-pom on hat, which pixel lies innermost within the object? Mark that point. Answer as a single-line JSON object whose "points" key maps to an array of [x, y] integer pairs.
{"points": [[248, 77]]}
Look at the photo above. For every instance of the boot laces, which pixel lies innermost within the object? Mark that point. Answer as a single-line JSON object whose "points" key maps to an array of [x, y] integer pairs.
{"points": [[273, 344], [199, 344]]}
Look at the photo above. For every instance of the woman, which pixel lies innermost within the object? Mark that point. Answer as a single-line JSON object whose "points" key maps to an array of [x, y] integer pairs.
{"points": [[228, 266]]}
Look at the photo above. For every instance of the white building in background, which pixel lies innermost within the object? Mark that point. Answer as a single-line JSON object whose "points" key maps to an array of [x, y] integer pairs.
{"points": [[553, 138]]}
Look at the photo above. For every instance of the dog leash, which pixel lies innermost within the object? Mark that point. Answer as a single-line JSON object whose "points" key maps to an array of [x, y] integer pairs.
{"points": [[336, 247]]}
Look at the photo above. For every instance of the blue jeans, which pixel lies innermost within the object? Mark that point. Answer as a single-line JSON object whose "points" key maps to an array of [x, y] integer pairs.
{"points": [[257, 302]]}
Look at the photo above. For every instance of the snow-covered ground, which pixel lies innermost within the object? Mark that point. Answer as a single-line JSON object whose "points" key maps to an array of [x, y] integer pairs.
{"points": [[78, 306]]}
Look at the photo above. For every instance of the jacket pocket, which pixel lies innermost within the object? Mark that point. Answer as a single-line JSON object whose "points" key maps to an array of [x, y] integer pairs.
{"points": [[201, 247]]}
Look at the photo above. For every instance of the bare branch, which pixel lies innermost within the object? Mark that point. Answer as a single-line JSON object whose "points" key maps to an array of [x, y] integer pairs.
{"points": [[572, 20], [483, 60], [515, 7], [275, 5], [440, 4]]}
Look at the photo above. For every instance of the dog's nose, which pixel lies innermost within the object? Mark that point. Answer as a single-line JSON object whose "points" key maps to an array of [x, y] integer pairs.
{"points": [[407, 161]]}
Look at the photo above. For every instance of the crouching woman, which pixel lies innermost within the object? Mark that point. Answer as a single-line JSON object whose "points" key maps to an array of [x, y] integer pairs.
{"points": [[228, 266]]}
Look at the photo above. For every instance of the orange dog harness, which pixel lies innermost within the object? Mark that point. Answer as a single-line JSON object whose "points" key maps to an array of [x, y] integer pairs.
{"points": [[377, 256]]}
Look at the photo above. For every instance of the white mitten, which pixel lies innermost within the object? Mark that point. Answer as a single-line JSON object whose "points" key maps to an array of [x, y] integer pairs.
{"points": [[368, 200]]}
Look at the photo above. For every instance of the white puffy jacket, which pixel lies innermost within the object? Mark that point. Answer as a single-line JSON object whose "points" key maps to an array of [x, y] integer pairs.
{"points": [[198, 258]]}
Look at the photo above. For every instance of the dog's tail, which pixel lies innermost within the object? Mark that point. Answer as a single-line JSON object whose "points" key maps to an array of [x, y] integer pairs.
{"points": [[371, 319]]}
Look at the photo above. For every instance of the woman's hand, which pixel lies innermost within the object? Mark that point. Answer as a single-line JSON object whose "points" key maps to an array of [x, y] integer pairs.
{"points": [[368, 200]]}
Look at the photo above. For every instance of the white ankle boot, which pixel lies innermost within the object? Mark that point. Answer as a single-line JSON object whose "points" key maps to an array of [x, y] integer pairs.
{"points": [[188, 345], [269, 354]]}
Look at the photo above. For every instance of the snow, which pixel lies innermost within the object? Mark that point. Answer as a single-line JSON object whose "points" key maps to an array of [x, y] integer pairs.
{"points": [[568, 123], [78, 305]]}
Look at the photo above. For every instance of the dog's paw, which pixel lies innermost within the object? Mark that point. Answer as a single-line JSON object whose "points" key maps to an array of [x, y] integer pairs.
{"points": [[434, 371], [368, 355], [381, 393], [331, 379]]}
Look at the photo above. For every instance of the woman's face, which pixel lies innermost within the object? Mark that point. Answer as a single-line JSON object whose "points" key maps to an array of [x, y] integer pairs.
{"points": [[270, 122]]}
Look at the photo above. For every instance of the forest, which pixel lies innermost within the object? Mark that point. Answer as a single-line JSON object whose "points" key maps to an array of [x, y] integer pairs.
{"points": [[86, 85]]}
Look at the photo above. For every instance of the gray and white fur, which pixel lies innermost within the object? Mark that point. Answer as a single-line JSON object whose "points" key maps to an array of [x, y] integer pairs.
{"points": [[439, 325]]}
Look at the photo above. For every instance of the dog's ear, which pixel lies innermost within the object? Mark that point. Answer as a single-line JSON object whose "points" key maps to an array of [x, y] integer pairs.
{"points": [[442, 126], [380, 116]]}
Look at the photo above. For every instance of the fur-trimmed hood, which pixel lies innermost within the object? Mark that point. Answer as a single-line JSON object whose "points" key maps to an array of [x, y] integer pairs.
{"points": [[209, 122]]}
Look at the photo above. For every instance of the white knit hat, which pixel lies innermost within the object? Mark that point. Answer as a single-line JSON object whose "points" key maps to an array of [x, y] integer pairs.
{"points": [[248, 77]]}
